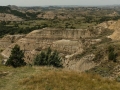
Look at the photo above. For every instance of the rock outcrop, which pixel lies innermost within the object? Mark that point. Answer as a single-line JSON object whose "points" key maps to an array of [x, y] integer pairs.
{"points": [[109, 24], [112, 25], [8, 40], [116, 28], [82, 64], [67, 42]]}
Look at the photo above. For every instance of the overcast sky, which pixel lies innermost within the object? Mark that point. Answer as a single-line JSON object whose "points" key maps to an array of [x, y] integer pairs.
{"points": [[58, 2]]}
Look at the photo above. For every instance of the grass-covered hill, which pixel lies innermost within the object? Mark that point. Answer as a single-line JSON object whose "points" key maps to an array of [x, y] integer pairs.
{"points": [[49, 78]]}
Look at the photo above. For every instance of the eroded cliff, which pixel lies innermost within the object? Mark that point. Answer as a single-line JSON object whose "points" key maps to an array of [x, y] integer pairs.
{"points": [[68, 42]]}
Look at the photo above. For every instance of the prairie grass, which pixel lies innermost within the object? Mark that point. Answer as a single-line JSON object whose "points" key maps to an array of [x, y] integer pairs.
{"points": [[49, 78], [9, 77], [58, 79]]}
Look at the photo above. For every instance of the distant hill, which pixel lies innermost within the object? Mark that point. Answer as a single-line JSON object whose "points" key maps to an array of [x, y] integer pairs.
{"points": [[8, 10], [4, 9]]}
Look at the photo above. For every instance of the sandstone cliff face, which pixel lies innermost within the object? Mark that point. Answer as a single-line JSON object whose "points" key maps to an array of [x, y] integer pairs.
{"points": [[112, 25], [108, 24], [68, 42], [41, 39], [82, 64], [8, 40], [116, 28]]}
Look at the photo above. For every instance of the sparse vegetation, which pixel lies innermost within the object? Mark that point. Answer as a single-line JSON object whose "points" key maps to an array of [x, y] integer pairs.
{"points": [[73, 18], [16, 29], [111, 54], [68, 80], [47, 78]]}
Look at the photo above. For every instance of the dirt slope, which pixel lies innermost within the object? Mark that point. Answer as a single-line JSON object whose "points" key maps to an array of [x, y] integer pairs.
{"points": [[112, 25], [67, 42]]}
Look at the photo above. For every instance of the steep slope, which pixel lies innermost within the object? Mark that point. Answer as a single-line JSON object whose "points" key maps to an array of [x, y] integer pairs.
{"points": [[68, 43], [112, 25], [108, 24], [41, 39], [8, 40], [116, 34]]}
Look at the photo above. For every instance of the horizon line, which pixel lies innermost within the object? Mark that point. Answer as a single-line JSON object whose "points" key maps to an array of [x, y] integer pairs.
{"points": [[62, 5]]}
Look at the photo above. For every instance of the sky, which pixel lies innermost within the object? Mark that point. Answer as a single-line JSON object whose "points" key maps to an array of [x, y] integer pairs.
{"points": [[58, 2]]}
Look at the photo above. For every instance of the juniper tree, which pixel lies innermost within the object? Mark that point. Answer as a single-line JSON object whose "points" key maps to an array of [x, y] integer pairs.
{"points": [[49, 58], [16, 57]]}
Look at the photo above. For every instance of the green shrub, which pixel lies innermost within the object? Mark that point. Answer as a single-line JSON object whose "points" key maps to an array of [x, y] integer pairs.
{"points": [[50, 58], [111, 54], [16, 57]]}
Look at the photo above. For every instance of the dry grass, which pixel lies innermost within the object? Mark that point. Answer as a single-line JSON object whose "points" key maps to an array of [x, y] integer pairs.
{"points": [[9, 77], [49, 78], [57, 79]]}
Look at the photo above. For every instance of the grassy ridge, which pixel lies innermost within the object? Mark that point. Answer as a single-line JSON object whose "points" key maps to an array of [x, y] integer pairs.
{"points": [[49, 78], [67, 80]]}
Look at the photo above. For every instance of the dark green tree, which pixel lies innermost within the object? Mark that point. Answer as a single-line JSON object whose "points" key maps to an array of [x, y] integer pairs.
{"points": [[40, 59], [16, 57], [55, 60], [49, 58]]}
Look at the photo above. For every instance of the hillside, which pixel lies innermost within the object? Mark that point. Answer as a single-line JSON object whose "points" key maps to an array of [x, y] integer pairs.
{"points": [[113, 26], [23, 20], [46, 78], [116, 34], [69, 42], [9, 17], [86, 38], [80, 49], [6, 14]]}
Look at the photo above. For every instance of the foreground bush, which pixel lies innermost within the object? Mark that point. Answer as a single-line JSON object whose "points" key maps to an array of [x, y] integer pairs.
{"points": [[48, 58]]}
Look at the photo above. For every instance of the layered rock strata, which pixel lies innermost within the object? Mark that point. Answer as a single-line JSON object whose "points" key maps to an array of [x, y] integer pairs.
{"points": [[67, 42]]}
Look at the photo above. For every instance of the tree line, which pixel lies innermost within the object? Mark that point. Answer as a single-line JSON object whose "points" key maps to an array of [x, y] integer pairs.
{"points": [[15, 29]]}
